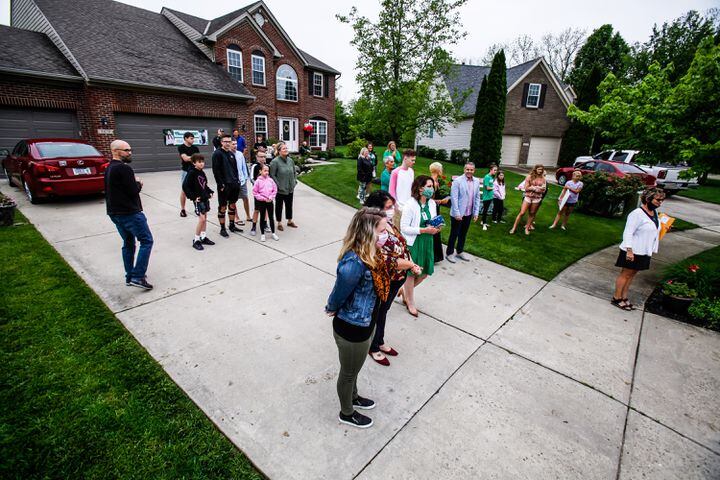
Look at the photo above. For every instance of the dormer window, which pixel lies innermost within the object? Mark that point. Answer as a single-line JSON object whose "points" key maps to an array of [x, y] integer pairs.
{"points": [[533, 96], [318, 84], [234, 62]]}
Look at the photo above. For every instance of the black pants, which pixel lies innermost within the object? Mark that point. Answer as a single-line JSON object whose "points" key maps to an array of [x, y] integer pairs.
{"points": [[381, 311], [486, 207], [265, 208], [279, 201], [458, 232], [498, 207]]}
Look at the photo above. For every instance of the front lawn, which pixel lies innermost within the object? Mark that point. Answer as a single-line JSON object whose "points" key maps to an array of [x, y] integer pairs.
{"points": [[80, 397], [710, 192], [544, 254]]}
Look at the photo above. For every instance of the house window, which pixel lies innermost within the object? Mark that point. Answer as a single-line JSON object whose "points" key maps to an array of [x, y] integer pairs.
{"points": [[318, 138], [261, 126], [431, 131], [317, 84], [286, 82], [258, 70], [234, 62], [533, 97]]}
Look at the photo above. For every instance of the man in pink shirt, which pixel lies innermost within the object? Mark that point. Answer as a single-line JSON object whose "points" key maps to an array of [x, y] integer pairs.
{"points": [[401, 180]]}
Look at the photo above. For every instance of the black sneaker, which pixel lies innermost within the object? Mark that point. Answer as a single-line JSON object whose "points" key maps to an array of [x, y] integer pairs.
{"points": [[233, 228], [356, 420], [207, 241], [142, 283], [363, 403], [197, 245], [127, 281], [223, 232]]}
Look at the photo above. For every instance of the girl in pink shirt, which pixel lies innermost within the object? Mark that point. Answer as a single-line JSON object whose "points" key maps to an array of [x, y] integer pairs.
{"points": [[264, 192]]}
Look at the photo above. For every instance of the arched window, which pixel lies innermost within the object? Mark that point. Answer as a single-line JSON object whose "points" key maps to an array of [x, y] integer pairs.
{"points": [[234, 62], [286, 82]]}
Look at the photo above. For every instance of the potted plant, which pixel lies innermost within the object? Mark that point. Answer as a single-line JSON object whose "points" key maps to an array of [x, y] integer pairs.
{"points": [[7, 211], [678, 296]]}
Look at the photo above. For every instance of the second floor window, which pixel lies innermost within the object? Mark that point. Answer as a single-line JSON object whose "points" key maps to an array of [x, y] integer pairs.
{"points": [[258, 70], [234, 63], [286, 84], [317, 84], [533, 98]]}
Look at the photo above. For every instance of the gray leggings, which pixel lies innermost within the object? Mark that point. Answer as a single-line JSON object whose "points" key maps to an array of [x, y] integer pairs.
{"points": [[352, 357]]}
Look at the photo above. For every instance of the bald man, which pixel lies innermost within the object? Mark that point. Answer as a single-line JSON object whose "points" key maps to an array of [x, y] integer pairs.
{"points": [[122, 198]]}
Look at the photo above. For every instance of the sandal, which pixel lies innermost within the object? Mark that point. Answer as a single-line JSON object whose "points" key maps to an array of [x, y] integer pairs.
{"points": [[617, 302], [627, 302]]}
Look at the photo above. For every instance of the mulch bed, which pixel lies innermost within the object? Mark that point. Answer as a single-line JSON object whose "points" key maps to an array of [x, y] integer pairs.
{"points": [[654, 304]]}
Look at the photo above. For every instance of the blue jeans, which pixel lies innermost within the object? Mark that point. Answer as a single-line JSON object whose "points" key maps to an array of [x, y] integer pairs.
{"points": [[131, 227]]}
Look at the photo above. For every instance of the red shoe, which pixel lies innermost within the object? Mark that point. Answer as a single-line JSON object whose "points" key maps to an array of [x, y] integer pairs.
{"points": [[390, 352], [383, 361]]}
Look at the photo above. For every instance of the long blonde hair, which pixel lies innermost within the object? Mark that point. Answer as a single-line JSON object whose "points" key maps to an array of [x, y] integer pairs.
{"points": [[360, 236], [533, 173]]}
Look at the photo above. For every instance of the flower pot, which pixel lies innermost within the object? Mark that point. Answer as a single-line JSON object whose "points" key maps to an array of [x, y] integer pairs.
{"points": [[677, 305], [7, 215]]}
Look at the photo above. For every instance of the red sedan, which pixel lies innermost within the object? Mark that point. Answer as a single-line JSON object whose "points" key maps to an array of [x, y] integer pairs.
{"points": [[617, 169], [46, 167]]}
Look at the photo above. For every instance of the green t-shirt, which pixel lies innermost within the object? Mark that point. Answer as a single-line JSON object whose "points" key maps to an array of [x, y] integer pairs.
{"points": [[385, 180], [488, 183]]}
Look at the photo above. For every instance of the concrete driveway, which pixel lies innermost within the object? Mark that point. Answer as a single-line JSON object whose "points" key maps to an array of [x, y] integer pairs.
{"points": [[502, 375]]}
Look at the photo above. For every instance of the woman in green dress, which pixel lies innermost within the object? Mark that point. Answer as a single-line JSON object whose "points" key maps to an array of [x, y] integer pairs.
{"points": [[419, 235]]}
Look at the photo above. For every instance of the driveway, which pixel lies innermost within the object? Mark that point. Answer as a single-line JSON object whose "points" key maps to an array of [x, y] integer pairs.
{"points": [[502, 375]]}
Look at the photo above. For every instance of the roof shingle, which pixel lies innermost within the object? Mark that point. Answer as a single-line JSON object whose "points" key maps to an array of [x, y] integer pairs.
{"points": [[37, 53], [197, 23]]}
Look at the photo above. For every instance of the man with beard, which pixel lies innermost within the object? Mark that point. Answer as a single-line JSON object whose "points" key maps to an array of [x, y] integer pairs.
{"points": [[122, 199]]}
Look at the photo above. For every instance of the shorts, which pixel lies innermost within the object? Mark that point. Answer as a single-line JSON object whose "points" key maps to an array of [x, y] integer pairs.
{"points": [[568, 204], [229, 194], [532, 201], [640, 262], [202, 206], [243, 190], [183, 174]]}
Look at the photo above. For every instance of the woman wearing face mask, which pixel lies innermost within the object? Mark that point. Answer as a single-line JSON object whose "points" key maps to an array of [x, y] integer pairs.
{"points": [[361, 280], [640, 241], [419, 235], [398, 261]]}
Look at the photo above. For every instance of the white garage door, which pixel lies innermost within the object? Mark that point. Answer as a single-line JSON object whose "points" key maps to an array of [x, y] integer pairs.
{"points": [[510, 153], [544, 150]]}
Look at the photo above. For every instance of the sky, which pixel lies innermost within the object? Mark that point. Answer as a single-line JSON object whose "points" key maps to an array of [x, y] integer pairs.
{"points": [[313, 27]]}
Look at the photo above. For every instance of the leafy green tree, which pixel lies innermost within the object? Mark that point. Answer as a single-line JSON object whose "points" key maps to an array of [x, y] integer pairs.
{"points": [[604, 48], [580, 139], [363, 124], [402, 55], [342, 124]]}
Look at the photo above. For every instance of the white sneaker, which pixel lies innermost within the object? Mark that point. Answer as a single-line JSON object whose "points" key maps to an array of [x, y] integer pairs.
{"points": [[267, 229], [252, 233], [485, 226], [275, 237], [462, 257], [451, 258], [262, 237]]}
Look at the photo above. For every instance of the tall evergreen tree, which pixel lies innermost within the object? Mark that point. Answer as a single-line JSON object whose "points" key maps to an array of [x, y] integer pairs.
{"points": [[489, 121]]}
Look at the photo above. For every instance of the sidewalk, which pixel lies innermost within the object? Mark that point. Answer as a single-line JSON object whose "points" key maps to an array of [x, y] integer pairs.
{"points": [[503, 375]]}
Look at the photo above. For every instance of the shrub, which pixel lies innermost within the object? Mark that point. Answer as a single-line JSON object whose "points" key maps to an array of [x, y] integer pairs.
{"points": [[460, 156], [678, 289], [704, 279], [441, 155], [271, 141], [333, 153], [608, 195], [353, 148], [322, 155], [707, 311], [424, 151]]}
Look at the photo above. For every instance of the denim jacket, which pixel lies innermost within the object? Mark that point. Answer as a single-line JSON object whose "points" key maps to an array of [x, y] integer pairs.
{"points": [[353, 296]]}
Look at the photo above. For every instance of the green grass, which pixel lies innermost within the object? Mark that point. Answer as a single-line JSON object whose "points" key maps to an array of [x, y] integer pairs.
{"points": [[544, 253], [80, 397], [710, 192]]}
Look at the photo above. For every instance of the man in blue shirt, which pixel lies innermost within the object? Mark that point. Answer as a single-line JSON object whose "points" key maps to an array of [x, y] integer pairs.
{"points": [[240, 141]]}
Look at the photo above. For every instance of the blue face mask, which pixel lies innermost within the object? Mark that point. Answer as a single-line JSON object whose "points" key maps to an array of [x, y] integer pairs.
{"points": [[428, 192]]}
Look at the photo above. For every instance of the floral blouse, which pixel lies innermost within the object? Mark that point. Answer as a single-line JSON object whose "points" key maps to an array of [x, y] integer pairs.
{"points": [[535, 188], [395, 248]]}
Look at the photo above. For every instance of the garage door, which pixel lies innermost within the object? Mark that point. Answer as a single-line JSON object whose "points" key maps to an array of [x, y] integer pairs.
{"points": [[510, 153], [19, 123], [544, 150], [145, 135]]}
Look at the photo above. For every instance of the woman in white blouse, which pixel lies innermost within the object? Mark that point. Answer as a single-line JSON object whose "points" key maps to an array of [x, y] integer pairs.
{"points": [[640, 241]]}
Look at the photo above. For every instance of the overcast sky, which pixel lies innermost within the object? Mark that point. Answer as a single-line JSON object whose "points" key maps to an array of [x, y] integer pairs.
{"points": [[313, 27]]}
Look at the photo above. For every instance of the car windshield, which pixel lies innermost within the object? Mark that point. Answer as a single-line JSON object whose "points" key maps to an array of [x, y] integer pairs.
{"points": [[57, 150], [626, 168]]}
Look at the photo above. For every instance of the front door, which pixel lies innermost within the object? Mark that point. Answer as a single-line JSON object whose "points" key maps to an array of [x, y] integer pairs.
{"points": [[288, 128]]}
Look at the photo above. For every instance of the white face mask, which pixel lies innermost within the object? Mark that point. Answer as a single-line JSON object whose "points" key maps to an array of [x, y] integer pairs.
{"points": [[382, 238], [390, 213]]}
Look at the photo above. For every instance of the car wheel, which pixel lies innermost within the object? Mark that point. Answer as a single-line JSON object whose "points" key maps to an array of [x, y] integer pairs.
{"points": [[29, 193], [562, 180]]}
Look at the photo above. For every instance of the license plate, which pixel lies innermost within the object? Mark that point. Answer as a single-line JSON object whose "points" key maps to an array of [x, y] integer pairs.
{"points": [[81, 171]]}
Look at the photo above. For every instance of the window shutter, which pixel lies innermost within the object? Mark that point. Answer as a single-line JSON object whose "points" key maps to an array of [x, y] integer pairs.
{"points": [[526, 87], [543, 89], [311, 75], [326, 85]]}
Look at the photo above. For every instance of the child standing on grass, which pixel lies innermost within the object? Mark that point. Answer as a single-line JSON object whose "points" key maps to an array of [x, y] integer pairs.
{"points": [[196, 188], [572, 190], [498, 197], [264, 192]]}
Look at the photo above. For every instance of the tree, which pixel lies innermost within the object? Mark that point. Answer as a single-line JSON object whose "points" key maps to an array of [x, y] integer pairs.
{"points": [[674, 43], [401, 56], [519, 50], [559, 50], [489, 121], [363, 124], [580, 139], [342, 124], [604, 48]]}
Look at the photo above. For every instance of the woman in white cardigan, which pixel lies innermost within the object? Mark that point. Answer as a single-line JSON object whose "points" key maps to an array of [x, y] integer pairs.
{"points": [[640, 241], [418, 210]]}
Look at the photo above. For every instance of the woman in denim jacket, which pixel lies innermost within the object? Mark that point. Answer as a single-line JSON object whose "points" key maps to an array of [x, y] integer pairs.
{"points": [[362, 278]]}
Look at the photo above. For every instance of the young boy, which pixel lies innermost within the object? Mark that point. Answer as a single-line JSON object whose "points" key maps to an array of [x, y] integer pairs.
{"points": [[196, 188], [264, 192]]}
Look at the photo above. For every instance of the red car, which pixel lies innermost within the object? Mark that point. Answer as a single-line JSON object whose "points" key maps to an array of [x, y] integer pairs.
{"points": [[617, 169], [46, 167]]}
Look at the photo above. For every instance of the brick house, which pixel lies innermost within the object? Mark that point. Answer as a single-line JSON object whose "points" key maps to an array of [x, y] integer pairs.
{"points": [[100, 70], [535, 113]]}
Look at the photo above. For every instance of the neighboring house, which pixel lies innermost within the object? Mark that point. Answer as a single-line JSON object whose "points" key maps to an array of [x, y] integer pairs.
{"points": [[535, 114], [100, 70]]}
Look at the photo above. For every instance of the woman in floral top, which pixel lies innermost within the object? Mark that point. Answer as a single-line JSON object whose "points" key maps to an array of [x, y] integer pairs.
{"points": [[397, 260], [534, 187]]}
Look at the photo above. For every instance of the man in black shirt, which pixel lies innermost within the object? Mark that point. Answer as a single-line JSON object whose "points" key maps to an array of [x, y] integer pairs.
{"points": [[186, 150], [122, 199], [225, 171]]}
